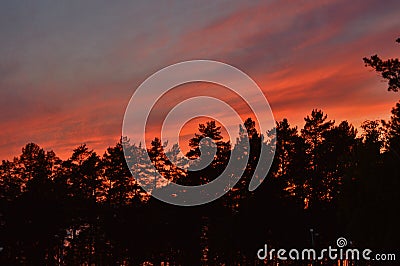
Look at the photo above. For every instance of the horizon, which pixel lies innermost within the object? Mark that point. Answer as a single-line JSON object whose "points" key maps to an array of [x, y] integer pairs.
{"points": [[184, 138]]}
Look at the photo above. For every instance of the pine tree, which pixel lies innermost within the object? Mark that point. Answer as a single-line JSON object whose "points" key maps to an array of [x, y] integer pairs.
{"points": [[313, 134], [388, 69], [210, 138]]}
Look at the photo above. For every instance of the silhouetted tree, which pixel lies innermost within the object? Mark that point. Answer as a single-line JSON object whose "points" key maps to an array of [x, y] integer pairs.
{"points": [[393, 131], [10, 184], [388, 69], [84, 170], [162, 163], [120, 185], [336, 150], [210, 135], [290, 161], [313, 133]]}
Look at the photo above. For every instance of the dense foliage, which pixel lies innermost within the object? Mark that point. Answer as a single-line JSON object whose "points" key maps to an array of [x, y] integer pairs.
{"points": [[89, 209]]}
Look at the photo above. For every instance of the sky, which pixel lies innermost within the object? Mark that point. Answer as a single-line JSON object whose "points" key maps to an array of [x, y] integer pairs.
{"points": [[69, 68]]}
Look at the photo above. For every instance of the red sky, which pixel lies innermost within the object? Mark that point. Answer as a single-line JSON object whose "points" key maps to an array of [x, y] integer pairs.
{"points": [[68, 70]]}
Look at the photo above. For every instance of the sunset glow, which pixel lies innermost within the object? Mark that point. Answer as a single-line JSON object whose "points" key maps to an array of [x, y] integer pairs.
{"points": [[68, 70]]}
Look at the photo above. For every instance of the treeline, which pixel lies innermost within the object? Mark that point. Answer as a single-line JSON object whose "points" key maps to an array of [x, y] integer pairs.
{"points": [[90, 209]]}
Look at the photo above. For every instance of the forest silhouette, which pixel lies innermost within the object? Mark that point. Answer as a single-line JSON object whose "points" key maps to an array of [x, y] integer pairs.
{"points": [[90, 210]]}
